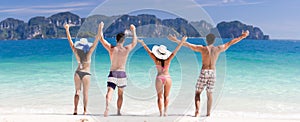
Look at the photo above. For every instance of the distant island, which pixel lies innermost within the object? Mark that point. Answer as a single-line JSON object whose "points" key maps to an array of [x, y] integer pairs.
{"points": [[147, 26]]}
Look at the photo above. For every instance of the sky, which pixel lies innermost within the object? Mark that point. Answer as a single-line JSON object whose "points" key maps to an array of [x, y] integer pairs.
{"points": [[277, 18]]}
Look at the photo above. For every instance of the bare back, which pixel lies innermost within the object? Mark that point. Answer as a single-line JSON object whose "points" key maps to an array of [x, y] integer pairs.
{"points": [[160, 69], [118, 57], [85, 66], [210, 55]]}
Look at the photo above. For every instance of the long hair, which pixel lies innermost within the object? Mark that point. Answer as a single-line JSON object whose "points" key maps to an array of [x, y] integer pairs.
{"points": [[162, 62], [82, 55]]}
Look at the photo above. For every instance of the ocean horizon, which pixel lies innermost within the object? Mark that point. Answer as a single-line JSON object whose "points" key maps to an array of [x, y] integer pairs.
{"points": [[259, 78]]}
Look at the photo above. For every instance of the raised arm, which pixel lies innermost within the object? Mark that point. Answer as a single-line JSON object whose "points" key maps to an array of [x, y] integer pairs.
{"points": [[134, 38], [147, 49], [225, 46], [197, 48], [67, 27], [97, 37], [105, 44], [183, 40]]}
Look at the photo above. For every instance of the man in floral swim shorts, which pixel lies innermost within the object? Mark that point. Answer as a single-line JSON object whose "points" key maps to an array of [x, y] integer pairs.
{"points": [[210, 54]]}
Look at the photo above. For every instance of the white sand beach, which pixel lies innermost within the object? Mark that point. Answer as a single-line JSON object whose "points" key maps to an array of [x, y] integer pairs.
{"points": [[91, 118], [60, 114]]}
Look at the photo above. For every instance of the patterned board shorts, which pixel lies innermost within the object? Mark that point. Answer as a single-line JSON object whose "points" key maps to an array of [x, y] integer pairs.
{"points": [[207, 78], [117, 78]]}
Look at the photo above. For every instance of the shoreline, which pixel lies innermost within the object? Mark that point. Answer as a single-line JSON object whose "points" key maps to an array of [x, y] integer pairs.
{"points": [[63, 38]]}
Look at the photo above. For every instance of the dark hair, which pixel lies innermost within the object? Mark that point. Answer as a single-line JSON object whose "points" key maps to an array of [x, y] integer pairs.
{"points": [[210, 39], [162, 62], [81, 55], [120, 37]]}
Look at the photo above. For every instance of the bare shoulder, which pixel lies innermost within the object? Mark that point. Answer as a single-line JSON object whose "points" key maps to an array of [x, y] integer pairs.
{"points": [[128, 48], [112, 48], [220, 48], [200, 48]]}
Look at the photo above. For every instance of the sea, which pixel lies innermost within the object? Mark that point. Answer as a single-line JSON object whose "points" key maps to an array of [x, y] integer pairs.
{"points": [[257, 78]]}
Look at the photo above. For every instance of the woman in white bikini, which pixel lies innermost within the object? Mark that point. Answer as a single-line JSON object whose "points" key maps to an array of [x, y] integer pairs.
{"points": [[83, 51], [162, 58]]}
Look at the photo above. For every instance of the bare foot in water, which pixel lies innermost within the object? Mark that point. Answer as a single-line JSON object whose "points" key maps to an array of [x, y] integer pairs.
{"points": [[75, 112], [84, 113], [207, 115], [165, 114], [106, 113], [119, 113], [197, 114]]}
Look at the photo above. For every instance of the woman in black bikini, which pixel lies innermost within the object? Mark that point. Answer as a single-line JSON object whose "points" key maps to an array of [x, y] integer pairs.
{"points": [[83, 51], [162, 59]]}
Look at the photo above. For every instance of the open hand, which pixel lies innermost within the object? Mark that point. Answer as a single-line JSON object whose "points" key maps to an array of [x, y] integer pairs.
{"points": [[184, 38], [140, 41], [101, 25], [172, 37], [100, 28], [132, 27], [245, 33], [66, 26]]}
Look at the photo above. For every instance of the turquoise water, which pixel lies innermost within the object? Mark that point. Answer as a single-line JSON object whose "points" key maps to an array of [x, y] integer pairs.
{"points": [[260, 76], [265, 74]]}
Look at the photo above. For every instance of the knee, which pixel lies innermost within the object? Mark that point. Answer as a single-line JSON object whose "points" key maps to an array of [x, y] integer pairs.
{"points": [[197, 96], [77, 92], [166, 97], [107, 97], [209, 95], [120, 96], [159, 96]]}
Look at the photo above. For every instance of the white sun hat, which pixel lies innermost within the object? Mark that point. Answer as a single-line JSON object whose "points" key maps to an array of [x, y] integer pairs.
{"points": [[161, 52], [83, 44]]}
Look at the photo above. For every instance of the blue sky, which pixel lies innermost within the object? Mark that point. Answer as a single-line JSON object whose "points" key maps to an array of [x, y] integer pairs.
{"points": [[277, 18]]}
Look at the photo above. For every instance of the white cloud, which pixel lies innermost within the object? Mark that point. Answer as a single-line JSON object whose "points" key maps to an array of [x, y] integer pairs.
{"points": [[226, 2], [12, 10], [66, 5], [71, 6]]}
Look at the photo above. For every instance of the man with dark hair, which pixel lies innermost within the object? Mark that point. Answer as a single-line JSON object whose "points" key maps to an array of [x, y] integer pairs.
{"points": [[118, 57], [210, 39], [120, 37], [210, 54]]}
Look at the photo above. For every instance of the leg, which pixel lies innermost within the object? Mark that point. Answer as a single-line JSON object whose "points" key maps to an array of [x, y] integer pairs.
{"points": [[77, 82], [86, 85], [201, 83], [109, 94], [120, 100], [209, 102], [197, 102], [159, 90], [167, 89], [209, 91]]}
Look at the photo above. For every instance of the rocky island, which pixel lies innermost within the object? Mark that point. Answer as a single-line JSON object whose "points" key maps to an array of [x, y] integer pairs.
{"points": [[150, 26]]}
